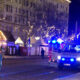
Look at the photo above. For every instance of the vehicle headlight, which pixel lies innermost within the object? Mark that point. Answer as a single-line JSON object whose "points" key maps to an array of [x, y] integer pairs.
{"points": [[78, 59], [59, 57]]}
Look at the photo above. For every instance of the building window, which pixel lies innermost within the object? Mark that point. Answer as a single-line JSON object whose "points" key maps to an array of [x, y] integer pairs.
{"points": [[30, 13], [66, 9], [8, 17], [9, 0], [20, 19], [34, 5], [16, 1], [61, 6], [19, 10], [27, 14], [16, 10], [20, 1], [26, 3], [39, 16], [15, 19], [31, 4], [23, 11], [9, 8], [57, 5]]}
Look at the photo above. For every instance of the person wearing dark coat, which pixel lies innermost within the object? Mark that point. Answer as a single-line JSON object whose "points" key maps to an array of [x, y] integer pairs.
{"points": [[42, 53]]}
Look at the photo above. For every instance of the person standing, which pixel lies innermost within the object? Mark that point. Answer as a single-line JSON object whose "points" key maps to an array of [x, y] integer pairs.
{"points": [[50, 53], [42, 53]]}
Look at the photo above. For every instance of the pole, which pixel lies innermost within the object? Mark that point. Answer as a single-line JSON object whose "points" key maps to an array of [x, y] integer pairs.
{"points": [[76, 28]]}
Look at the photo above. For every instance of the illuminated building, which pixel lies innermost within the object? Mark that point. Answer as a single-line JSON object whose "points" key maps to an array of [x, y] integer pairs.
{"points": [[14, 16], [18, 15]]}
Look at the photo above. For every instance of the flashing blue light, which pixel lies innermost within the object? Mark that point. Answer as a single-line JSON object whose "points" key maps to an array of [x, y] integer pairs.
{"points": [[72, 60], [49, 41], [63, 59], [54, 41]]}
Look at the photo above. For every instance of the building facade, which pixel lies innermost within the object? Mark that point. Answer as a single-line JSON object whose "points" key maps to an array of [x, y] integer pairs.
{"points": [[22, 17], [61, 14], [14, 16]]}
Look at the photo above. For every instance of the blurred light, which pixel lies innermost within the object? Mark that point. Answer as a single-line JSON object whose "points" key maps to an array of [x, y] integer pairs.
{"points": [[30, 45], [4, 43], [69, 1], [59, 57], [3, 36], [72, 37], [49, 41], [77, 48], [19, 41], [72, 60], [31, 27], [78, 59], [53, 60], [78, 35], [59, 41], [54, 41], [63, 59], [47, 35], [37, 38]]}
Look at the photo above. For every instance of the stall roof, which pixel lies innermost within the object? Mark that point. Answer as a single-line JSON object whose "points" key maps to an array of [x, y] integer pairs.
{"points": [[2, 36], [19, 41], [9, 36]]}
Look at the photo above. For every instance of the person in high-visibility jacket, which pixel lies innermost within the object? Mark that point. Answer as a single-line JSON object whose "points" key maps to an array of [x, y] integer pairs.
{"points": [[50, 54]]}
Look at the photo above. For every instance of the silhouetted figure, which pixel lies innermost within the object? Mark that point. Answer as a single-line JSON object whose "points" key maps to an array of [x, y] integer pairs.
{"points": [[42, 53]]}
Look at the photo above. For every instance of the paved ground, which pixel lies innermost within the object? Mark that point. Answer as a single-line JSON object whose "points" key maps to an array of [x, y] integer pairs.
{"points": [[34, 68]]}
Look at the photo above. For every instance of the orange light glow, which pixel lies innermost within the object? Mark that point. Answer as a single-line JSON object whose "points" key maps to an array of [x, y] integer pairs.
{"points": [[2, 36]]}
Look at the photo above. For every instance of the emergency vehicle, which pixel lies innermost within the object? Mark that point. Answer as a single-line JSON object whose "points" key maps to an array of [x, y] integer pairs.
{"points": [[68, 56]]}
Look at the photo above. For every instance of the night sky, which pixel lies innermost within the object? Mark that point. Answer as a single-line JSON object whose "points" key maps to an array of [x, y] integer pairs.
{"points": [[74, 17]]}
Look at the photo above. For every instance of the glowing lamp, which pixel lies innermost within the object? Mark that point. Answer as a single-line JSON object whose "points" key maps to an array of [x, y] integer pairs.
{"points": [[54, 41], [49, 41], [72, 60], [37, 38], [78, 59], [59, 57], [63, 59]]}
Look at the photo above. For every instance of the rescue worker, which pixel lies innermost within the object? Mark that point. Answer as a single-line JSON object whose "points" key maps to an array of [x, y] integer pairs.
{"points": [[50, 54]]}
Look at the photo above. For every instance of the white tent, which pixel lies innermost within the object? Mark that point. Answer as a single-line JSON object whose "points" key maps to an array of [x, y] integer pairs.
{"points": [[19, 41]]}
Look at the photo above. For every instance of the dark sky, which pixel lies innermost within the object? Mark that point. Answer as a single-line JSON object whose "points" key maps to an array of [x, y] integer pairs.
{"points": [[76, 1], [74, 16]]}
